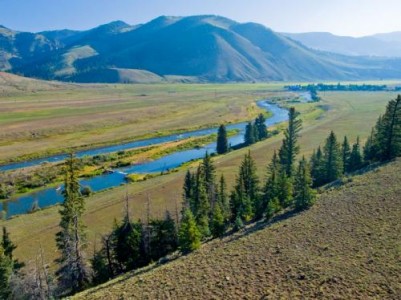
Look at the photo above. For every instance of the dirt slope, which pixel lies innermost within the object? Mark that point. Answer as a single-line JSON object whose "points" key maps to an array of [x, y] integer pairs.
{"points": [[348, 246]]}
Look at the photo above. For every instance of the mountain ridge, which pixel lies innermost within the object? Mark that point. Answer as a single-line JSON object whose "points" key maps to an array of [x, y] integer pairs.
{"points": [[205, 48], [379, 45]]}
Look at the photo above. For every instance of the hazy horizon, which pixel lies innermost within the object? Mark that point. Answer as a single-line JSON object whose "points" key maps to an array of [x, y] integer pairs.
{"points": [[359, 18]]}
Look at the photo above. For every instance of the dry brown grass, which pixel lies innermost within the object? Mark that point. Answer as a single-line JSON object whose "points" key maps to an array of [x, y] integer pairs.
{"points": [[347, 246], [39, 118]]}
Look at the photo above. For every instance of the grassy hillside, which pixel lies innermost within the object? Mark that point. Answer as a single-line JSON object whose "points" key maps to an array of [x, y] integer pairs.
{"points": [[346, 247]]}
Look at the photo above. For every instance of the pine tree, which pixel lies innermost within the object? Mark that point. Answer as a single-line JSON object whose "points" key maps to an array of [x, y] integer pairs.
{"points": [[209, 173], [346, 154], [222, 142], [250, 178], [388, 131], [163, 237], [355, 160], [189, 237], [71, 240], [8, 245], [290, 147], [273, 206], [239, 202], [260, 125], [127, 244], [304, 194], [6, 268], [332, 159], [270, 202], [317, 168], [285, 189], [8, 248], [188, 187], [218, 223], [370, 150], [203, 210], [100, 268], [224, 199], [250, 137], [246, 191]]}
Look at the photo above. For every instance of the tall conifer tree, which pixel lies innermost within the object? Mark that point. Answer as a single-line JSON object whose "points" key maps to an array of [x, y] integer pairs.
{"points": [[333, 166], [6, 268], [250, 137], [224, 199], [346, 154], [222, 142], [271, 203], [355, 160], [71, 240], [290, 147], [189, 237], [260, 125], [317, 167], [304, 194], [388, 131]]}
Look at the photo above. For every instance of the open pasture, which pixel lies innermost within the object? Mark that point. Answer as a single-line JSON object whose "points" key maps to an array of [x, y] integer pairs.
{"points": [[61, 117], [346, 113]]}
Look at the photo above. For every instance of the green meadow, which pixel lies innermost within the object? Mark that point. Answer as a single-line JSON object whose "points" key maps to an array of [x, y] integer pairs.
{"points": [[178, 107]]}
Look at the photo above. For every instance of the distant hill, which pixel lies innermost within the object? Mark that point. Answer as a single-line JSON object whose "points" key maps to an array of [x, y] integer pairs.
{"points": [[10, 83], [384, 45], [196, 49], [347, 246]]}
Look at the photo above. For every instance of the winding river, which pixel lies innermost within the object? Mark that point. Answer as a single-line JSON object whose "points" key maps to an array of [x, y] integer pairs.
{"points": [[51, 196]]}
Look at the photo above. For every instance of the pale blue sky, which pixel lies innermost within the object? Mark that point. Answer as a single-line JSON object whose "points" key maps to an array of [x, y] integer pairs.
{"points": [[343, 17]]}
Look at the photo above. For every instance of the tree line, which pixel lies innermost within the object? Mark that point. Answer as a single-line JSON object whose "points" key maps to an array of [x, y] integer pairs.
{"points": [[209, 210], [338, 87]]}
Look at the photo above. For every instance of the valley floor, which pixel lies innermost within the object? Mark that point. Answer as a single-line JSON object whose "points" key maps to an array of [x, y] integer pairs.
{"points": [[347, 246]]}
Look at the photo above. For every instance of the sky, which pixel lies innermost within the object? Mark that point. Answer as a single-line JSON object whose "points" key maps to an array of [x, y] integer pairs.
{"points": [[341, 17]]}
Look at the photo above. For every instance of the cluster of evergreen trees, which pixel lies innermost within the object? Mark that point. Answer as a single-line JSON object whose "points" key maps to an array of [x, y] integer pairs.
{"points": [[205, 208], [256, 131], [132, 245], [383, 144], [209, 210]]}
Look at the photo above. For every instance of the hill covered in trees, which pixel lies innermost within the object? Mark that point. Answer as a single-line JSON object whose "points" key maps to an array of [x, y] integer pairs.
{"points": [[196, 48]]}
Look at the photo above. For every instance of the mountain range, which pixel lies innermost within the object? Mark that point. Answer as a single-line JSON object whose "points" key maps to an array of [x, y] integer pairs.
{"points": [[381, 45], [196, 49]]}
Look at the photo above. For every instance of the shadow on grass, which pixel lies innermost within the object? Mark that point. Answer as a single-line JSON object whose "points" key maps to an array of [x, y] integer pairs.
{"points": [[253, 227]]}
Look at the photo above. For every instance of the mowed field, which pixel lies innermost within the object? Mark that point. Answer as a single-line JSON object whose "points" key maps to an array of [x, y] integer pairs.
{"points": [[39, 118], [347, 113]]}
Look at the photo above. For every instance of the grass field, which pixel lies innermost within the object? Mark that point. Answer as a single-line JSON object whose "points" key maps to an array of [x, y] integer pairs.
{"points": [[347, 246], [346, 113], [39, 118]]}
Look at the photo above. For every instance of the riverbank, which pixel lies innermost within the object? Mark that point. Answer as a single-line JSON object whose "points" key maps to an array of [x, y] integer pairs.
{"points": [[86, 116], [168, 160]]}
